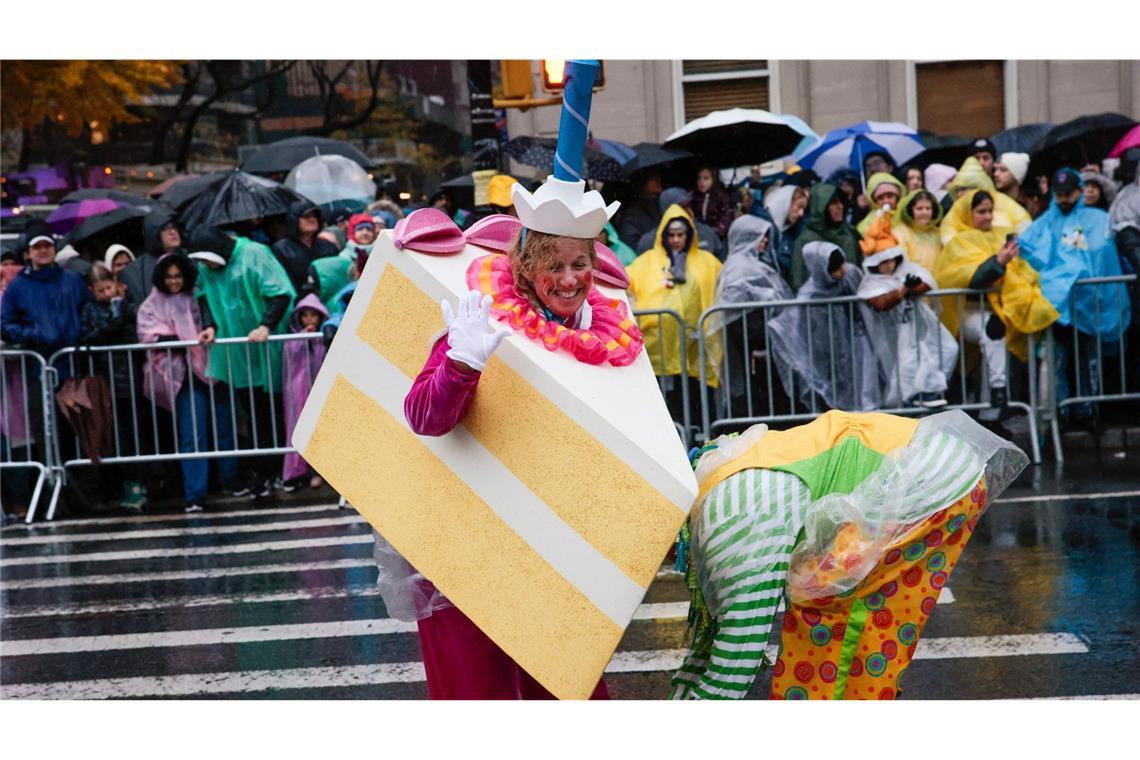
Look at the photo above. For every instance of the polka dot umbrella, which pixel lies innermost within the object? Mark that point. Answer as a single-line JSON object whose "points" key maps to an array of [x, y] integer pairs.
{"points": [[539, 152]]}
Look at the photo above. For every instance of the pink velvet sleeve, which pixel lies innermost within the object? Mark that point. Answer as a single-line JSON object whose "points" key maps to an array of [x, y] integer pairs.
{"points": [[440, 394]]}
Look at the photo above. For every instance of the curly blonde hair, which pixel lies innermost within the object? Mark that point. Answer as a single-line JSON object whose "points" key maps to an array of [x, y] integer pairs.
{"points": [[538, 253]]}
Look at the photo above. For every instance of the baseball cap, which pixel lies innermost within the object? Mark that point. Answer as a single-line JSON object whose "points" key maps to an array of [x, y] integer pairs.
{"points": [[1065, 181]]}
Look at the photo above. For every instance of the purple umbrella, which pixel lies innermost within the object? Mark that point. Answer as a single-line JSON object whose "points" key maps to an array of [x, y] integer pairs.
{"points": [[69, 215]]}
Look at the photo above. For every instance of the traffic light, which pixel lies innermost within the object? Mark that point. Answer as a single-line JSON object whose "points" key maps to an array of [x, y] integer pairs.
{"points": [[554, 76], [516, 78]]}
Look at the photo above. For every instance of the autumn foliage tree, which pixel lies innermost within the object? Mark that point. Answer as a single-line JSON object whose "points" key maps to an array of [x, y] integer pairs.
{"points": [[72, 94]]}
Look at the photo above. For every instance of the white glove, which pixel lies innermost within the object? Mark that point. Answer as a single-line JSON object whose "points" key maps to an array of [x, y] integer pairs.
{"points": [[467, 331]]}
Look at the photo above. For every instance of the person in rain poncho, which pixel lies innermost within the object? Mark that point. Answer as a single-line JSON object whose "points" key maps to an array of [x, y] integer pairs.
{"points": [[916, 352], [826, 209], [1124, 215], [1099, 190], [788, 206], [675, 274], [850, 185], [301, 360], [856, 521], [935, 178], [609, 238], [329, 275], [749, 275], [171, 313], [984, 256], [706, 236], [916, 227], [302, 245], [1067, 243], [885, 192], [116, 259], [248, 294], [821, 351], [1008, 214], [161, 235]]}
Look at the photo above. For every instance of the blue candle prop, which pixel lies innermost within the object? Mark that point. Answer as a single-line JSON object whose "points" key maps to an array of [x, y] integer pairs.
{"points": [[577, 93]]}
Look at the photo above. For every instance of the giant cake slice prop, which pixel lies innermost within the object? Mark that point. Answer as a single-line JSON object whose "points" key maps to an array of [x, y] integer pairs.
{"points": [[545, 515]]}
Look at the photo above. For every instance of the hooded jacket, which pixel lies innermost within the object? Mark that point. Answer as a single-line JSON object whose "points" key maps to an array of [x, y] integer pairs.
{"points": [[42, 309], [877, 180], [778, 204], [706, 236], [922, 241], [1065, 248], [652, 287], [138, 275], [301, 361], [819, 229], [1008, 213], [294, 255]]}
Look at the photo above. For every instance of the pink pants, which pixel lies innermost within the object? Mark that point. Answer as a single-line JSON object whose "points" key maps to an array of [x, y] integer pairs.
{"points": [[463, 663]]}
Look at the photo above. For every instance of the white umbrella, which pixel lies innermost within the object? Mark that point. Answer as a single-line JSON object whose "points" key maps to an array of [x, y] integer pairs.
{"points": [[737, 137], [332, 180]]}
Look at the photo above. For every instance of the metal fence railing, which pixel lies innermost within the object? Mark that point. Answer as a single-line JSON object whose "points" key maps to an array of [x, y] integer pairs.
{"points": [[675, 343], [27, 429]]}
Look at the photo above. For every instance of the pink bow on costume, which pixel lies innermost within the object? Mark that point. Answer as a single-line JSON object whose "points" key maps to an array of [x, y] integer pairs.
{"points": [[428, 230]]}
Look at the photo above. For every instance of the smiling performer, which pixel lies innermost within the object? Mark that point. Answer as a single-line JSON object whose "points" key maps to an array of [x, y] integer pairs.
{"points": [[542, 287]]}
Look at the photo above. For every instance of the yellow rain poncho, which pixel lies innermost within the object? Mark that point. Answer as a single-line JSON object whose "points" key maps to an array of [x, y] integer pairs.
{"points": [[1019, 304], [877, 179], [922, 241], [1008, 213], [649, 288]]}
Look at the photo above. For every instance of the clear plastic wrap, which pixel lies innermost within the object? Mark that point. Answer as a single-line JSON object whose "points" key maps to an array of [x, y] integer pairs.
{"points": [[407, 594], [847, 534]]}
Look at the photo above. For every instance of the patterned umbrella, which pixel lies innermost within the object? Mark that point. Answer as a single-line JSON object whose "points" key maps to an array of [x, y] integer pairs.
{"points": [[846, 147], [539, 152]]}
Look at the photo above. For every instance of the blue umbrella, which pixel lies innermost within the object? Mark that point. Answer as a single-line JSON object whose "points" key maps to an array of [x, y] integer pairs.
{"points": [[618, 151], [848, 146], [811, 139]]}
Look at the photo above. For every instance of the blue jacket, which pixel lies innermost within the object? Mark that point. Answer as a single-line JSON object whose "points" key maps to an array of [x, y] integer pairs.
{"points": [[42, 309], [1064, 248]]}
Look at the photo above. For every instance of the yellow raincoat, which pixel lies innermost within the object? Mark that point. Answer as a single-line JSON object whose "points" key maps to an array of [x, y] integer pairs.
{"points": [[1008, 213], [876, 179], [922, 241], [648, 275], [1019, 304]]}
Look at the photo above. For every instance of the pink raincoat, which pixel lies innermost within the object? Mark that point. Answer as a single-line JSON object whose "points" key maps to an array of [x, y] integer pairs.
{"points": [[162, 315], [301, 361]]}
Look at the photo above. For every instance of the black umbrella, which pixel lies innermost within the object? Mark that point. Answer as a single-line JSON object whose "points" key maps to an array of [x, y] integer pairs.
{"points": [[93, 225], [539, 152], [95, 193], [185, 190], [1078, 142], [236, 196], [463, 180], [951, 150], [283, 155], [1021, 139], [737, 137], [655, 156]]}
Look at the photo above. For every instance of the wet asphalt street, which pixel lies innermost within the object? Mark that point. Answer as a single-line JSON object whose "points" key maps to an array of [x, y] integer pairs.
{"points": [[280, 602]]}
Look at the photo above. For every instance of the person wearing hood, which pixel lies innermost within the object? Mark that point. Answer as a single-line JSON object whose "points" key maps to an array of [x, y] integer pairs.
{"points": [[936, 177], [329, 275], [1007, 213], [710, 202], [885, 192], [676, 274], [301, 361], [1070, 242], [916, 227], [161, 235], [749, 275], [1099, 190], [116, 259], [916, 353], [787, 206], [1124, 214], [821, 351], [179, 380], [609, 238], [706, 236], [825, 223], [984, 256], [303, 245], [248, 294], [850, 185]]}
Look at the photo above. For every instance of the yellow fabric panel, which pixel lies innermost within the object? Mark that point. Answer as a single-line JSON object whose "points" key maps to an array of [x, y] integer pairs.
{"points": [[400, 321], [616, 510], [879, 432], [453, 537], [922, 248]]}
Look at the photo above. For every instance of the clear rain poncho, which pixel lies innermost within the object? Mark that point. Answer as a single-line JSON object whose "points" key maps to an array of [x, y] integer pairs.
{"points": [[915, 351]]}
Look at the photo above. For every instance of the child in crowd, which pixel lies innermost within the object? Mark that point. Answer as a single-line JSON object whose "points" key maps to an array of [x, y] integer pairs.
{"points": [[109, 320], [116, 259], [170, 313], [301, 361]]}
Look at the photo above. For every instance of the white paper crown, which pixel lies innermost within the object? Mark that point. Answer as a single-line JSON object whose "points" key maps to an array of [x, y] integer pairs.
{"points": [[562, 208]]}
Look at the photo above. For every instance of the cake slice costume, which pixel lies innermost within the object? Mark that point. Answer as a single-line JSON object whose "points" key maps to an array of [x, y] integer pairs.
{"points": [[858, 519]]}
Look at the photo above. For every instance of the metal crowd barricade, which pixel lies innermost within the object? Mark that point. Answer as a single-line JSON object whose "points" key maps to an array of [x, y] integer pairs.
{"points": [[26, 423], [1090, 388], [648, 325], [788, 404], [142, 431]]}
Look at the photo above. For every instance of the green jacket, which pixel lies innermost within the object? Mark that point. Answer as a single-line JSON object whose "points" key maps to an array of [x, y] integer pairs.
{"points": [[817, 228]]}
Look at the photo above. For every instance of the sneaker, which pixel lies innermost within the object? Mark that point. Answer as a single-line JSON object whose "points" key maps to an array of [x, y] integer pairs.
{"points": [[262, 489], [931, 400], [134, 497], [288, 486], [195, 508], [237, 491]]}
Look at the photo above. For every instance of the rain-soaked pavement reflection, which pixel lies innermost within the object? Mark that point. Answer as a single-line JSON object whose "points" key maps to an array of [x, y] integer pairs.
{"points": [[280, 602]]}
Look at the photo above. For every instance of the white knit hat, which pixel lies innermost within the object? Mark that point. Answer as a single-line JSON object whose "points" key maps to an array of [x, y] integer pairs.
{"points": [[1017, 163]]}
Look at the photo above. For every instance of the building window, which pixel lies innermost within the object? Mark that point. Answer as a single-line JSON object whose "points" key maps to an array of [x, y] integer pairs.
{"points": [[709, 86], [965, 98]]}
